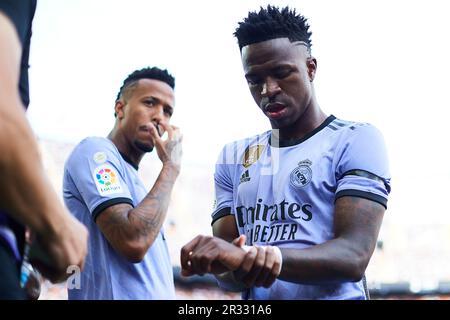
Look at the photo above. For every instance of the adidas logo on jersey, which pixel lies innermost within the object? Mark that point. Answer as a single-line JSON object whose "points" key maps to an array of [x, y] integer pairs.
{"points": [[245, 177]]}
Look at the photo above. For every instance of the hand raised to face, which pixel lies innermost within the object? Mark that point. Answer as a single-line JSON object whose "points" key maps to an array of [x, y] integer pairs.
{"points": [[169, 150]]}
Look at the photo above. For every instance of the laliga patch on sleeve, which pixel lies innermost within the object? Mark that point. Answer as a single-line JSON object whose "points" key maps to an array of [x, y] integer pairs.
{"points": [[107, 180]]}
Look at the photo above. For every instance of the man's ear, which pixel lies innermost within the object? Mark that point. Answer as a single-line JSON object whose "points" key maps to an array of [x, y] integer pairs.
{"points": [[312, 67], [119, 111]]}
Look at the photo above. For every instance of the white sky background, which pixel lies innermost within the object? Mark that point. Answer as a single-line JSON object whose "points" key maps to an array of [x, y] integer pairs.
{"points": [[383, 62]]}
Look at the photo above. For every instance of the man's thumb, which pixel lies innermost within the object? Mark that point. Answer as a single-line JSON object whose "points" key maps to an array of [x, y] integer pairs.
{"points": [[239, 241]]}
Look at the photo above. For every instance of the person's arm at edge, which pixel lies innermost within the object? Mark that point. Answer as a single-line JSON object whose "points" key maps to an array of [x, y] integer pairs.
{"points": [[27, 195]]}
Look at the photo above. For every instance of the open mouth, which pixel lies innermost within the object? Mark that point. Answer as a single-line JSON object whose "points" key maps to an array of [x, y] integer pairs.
{"points": [[275, 110]]}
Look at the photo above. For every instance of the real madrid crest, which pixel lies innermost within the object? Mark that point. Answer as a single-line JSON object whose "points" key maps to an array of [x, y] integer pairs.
{"points": [[252, 154], [302, 174]]}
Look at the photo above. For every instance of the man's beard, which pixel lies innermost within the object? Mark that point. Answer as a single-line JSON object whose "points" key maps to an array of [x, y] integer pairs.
{"points": [[143, 147]]}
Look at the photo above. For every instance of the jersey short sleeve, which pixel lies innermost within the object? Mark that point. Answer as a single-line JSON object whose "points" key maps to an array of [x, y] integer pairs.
{"points": [[97, 174], [362, 165], [223, 184]]}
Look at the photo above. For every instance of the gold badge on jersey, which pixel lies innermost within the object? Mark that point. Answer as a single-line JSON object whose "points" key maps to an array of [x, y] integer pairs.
{"points": [[252, 154]]}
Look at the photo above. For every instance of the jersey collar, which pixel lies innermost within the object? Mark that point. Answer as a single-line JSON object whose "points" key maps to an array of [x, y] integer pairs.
{"points": [[293, 142]]}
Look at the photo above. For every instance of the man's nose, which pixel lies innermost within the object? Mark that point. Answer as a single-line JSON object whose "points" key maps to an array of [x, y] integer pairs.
{"points": [[270, 88], [157, 118], [158, 114]]}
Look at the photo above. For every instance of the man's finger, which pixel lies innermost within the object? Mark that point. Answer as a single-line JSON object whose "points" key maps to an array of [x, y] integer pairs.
{"points": [[239, 241], [258, 264], [168, 128], [246, 264], [267, 268], [154, 133], [186, 252], [273, 275], [202, 259]]}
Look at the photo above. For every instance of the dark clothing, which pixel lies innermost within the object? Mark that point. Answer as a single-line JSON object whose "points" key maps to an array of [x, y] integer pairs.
{"points": [[21, 13], [9, 275], [12, 233]]}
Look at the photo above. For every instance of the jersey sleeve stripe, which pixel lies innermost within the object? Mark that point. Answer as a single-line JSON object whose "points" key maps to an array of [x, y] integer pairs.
{"points": [[362, 194], [366, 174], [220, 214], [108, 203]]}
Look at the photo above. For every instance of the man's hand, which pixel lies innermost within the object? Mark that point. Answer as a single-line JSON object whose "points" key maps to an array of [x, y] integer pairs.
{"points": [[260, 267], [252, 266], [53, 253], [169, 150], [206, 254]]}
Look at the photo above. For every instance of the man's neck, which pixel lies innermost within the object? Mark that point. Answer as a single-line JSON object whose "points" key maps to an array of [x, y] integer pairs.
{"points": [[126, 148], [312, 118]]}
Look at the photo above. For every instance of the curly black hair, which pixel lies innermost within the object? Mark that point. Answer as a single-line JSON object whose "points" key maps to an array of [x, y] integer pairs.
{"points": [[272, 23], [146, 73]]}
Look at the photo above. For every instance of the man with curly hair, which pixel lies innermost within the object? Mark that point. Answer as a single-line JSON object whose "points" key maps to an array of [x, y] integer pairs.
{"points": [[128, 256], [308, 196]]}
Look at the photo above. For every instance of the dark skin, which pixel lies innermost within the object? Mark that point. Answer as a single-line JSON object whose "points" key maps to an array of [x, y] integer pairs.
{"points": [[143, 109], [357, 223], [206, 254], [280, 75]]}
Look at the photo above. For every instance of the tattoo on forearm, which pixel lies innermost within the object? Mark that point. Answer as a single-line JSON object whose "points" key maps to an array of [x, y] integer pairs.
{"points": [[144, 222], [148, 217]]}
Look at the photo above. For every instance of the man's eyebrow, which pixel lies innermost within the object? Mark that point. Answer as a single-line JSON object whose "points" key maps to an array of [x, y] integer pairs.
{"points": [[157, 100]]}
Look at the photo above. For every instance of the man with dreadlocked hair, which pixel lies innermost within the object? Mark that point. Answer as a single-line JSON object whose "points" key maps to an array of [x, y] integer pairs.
{"points": [[128, 256], [308, 196]]}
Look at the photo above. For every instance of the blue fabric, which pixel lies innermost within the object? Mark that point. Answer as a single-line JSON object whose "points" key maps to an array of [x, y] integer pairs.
{"points": [[95, 174], [285, 196]]}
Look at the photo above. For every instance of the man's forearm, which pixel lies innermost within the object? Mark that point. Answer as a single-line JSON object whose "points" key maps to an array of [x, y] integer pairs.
{"points": [[26, 193], [345, 258], [147, 218], [331, 262]]}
